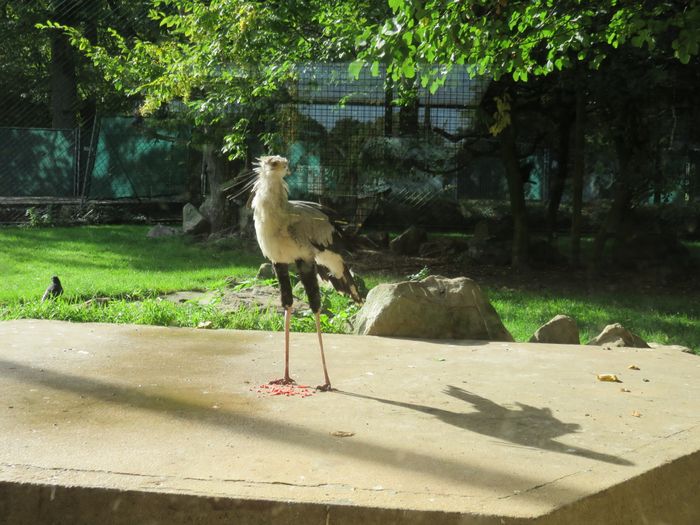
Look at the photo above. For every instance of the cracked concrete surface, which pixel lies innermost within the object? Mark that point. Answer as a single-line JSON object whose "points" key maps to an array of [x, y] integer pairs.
{"points": [[129, 424]]}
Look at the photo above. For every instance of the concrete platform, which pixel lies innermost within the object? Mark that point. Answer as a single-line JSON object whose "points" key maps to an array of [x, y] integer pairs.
{"points": [[135, 424]]}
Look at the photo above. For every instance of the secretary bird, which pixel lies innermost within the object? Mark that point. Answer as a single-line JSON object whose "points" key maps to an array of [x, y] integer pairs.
{"points": [[301, 233]]}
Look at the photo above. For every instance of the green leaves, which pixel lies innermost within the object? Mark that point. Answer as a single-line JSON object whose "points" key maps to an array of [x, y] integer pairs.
{"points": [[526, 38], [408, 68], [355, 68]]}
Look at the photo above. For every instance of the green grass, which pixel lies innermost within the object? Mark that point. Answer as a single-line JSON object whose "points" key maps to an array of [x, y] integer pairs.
{"points": [[121, 263], [662, 319]]}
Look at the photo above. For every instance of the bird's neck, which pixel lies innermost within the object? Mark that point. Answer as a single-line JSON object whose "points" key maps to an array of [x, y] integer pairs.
{"points": [[270, 192]]}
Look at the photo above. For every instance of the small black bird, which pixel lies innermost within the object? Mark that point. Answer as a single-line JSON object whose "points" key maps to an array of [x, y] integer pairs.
{"points": [[54, 290]]}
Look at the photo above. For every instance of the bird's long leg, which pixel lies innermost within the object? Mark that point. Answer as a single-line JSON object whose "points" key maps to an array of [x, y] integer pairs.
{"points": [[282, 271], [327, 385], [307, 272]]}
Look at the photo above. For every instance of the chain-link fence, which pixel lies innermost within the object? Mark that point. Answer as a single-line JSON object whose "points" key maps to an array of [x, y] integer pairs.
{"points": [[367, 150], [119, 159], [38, 162], [358, 144], [135, 159]]}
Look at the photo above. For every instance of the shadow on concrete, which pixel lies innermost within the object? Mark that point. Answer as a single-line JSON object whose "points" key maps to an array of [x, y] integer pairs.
{"points": [[526, 425], [254, 423]]}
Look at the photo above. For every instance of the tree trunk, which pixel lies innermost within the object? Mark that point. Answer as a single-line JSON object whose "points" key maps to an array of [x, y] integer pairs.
{"points": [[216, 207], [408, 119], [556, 187], [516, 192], [577, 182], [658, 175], [621, 201], [64, 87]]}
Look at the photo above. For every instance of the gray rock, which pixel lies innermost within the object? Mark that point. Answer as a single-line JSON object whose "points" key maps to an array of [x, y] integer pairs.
{"points": [[434, 308], [266, 271], [408, 243], [617, 335], [193, 222], [483, 231], [493, 251], [489, 229], [442, 247], [561, 329], [159, 231]]}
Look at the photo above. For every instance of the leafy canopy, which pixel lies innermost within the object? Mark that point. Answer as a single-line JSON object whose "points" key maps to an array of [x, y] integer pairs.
{"points": [[522, 37], [220, 59]]}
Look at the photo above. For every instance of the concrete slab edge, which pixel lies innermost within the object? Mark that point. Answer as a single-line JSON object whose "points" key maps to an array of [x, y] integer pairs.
{"points": [[665, 495]]}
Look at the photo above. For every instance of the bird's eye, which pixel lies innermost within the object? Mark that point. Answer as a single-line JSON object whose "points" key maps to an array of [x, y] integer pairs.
{"points": [[274, 163]]}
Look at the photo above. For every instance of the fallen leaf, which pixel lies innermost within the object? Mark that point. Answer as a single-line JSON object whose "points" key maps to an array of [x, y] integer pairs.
{"points": [[633, 367], [625, 390], [342, 434], [609, 377]]}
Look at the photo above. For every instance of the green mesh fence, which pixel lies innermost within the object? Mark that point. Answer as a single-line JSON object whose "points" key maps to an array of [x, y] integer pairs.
{"points": [[37, 162], [137, 160]]}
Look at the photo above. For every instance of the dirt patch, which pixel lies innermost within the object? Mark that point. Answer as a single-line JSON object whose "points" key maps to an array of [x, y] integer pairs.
{"points": [[262, 297]]}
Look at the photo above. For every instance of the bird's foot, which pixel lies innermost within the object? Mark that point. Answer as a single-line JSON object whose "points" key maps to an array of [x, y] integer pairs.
{"points": [[283, 381], [324, 388]]}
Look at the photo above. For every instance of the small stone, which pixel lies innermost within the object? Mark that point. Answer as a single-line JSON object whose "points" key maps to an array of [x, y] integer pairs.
{"points": [[265, 272], [193, 222], [617, 335], [561, 329]]}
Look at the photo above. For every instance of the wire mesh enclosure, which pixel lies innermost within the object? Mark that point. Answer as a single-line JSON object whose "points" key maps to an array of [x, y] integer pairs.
{"points": [[355, 141], [38, 162], [135, 159]]}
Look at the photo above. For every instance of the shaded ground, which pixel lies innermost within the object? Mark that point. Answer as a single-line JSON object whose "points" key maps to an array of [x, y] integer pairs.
{"points": [[560, 278]]}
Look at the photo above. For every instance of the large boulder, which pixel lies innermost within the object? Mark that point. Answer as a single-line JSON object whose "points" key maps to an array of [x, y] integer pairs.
{"points": [[617, 335], [193, 222], [434, 308], [561, 329], [408, 243]]}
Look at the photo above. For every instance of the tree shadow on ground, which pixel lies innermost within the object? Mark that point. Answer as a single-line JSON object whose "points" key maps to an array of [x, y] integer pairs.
{"points": [[526, 425]]}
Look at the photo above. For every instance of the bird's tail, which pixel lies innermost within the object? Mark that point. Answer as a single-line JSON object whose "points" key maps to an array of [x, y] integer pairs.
{"points": [[344, 284]]}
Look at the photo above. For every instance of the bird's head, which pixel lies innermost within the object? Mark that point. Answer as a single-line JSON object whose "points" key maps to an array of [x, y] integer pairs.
{"points": [[273, 165], [55, 280]]}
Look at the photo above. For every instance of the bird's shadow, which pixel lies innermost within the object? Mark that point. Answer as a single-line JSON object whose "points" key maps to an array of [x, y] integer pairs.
{"points": [[525, 425]]}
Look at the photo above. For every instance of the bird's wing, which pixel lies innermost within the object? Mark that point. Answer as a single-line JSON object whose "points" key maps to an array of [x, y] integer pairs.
{"points": [[309, 224]]}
